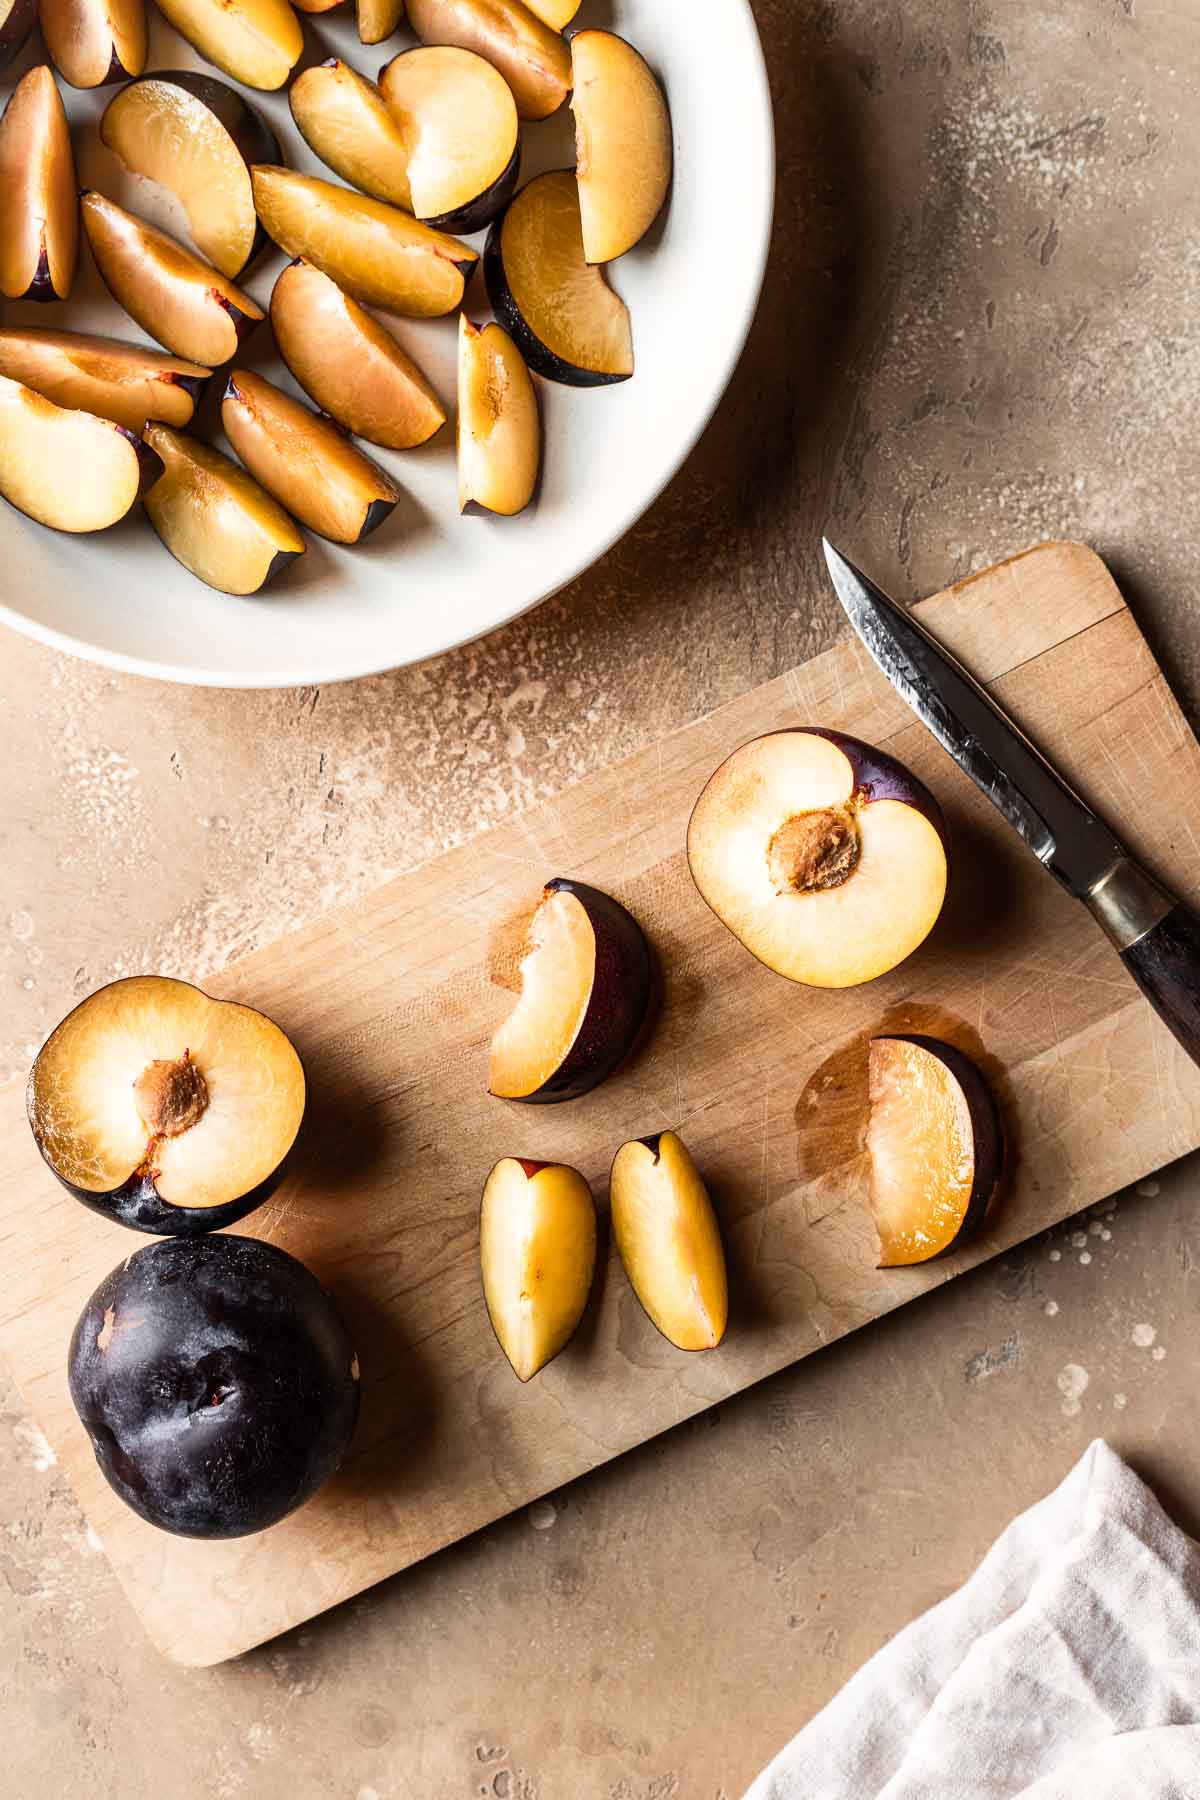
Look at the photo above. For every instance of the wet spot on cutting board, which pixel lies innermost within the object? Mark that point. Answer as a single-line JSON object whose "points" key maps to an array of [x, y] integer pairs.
{"points": [[995, 1357], [1073, 1382]]}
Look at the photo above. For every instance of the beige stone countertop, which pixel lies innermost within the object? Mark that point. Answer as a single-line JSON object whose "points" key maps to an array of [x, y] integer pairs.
{"points": [[978, 331]]}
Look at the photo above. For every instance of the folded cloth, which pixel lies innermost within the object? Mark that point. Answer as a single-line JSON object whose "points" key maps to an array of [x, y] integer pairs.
{"points": [[1067, 1668]]}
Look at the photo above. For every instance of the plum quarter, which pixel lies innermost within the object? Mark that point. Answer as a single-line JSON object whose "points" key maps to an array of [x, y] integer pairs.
{"points": [[585, 993], [936, 1144], [825, 857], [163, 1109], [217, 1382]]}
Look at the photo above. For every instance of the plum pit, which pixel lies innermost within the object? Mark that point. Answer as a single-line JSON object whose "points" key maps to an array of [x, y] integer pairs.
{"points": [[171, 1095], [814, 851]]}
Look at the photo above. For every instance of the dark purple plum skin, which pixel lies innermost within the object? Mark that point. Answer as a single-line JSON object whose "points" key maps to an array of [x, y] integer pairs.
{"points": [[878, 776], [987, 1130], [217, 1382], [540, 358], [16, 29], [620, 998]]}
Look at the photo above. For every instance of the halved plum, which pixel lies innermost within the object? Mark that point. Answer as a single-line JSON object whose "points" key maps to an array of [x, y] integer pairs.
{"points": [[39, 207], [348, 363], [196, 137], [64, 468], [824, 856], [375, 252], [215, 519], [121, 382], [307, 463], [217, 1382], [91, 42], [668, 1238], [533, 59], [17, 20], [377, 19], [499, 433], [163, 1109], [936, 1145], [537, 1254], [566, 320], [458, 123], [622, 143], [186, 304], [584, 980], [342, 118], [256, 42]]}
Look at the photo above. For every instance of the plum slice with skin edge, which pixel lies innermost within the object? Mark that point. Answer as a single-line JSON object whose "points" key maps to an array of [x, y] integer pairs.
{"points": [[825, 857], [190, 307], [498, 428], [936, 1143], [349, 364], [458, 121], [39, 206], [565, 319], [304, 461], [534, 60], [93, 42], [217, 1382], [584, 997], [197, 138], [68, 469], [163, 1109], [215, 519], [126, 383], [669, 1241], [537, 1256], [622, 143], [256, 42], [376, 252]]}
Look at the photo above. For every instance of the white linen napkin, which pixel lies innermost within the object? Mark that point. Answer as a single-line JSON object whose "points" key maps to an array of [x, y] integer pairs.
{"points": [[1067, 1668]]}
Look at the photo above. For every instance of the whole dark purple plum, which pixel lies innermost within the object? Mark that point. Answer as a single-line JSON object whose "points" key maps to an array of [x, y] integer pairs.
{"points": [[217, 1382]]}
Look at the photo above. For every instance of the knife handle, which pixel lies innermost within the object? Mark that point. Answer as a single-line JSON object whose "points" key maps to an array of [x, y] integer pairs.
{"points": [[1165, 963], [1158, 938]]}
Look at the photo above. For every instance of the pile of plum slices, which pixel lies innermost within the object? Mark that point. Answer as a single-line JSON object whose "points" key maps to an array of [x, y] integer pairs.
{"points": [[827, 860], [430, 149], [213, 1374]]}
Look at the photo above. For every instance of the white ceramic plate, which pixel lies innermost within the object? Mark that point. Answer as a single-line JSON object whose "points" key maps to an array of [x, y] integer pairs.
{"points": [[428, 579]]}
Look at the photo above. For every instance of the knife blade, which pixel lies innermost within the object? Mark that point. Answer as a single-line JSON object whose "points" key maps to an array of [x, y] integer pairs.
{"points": [[1157, 935]]}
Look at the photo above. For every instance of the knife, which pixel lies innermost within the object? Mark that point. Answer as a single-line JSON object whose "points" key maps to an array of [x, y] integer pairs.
{"points": [[1156, 934]]}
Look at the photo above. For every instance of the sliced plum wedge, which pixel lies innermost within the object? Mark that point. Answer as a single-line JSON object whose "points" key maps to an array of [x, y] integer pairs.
{"points": [[39, 207], [215, 519], [458, 121], [584, 982], [533, 58], [349, 364], [936, 1145], [122, 382], [378, 253], [64, 468], [185, 303], [668, 1239], [499, 433], [196, 137], [343, 119], [92, 42], [568, 323], [622, 143], [824, 856], [537, 1253], [256, 42], [164, 1109]]}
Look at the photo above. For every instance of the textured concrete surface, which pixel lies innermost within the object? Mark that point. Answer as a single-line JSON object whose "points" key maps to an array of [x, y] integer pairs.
{"points": [[978, 331]]}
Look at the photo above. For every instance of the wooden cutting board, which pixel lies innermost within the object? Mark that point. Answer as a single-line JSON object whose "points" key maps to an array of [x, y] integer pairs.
{"points": [[391, 1005]]}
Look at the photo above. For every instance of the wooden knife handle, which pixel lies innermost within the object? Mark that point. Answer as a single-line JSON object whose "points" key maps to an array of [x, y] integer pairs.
{"points": [[1165, 963]]}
